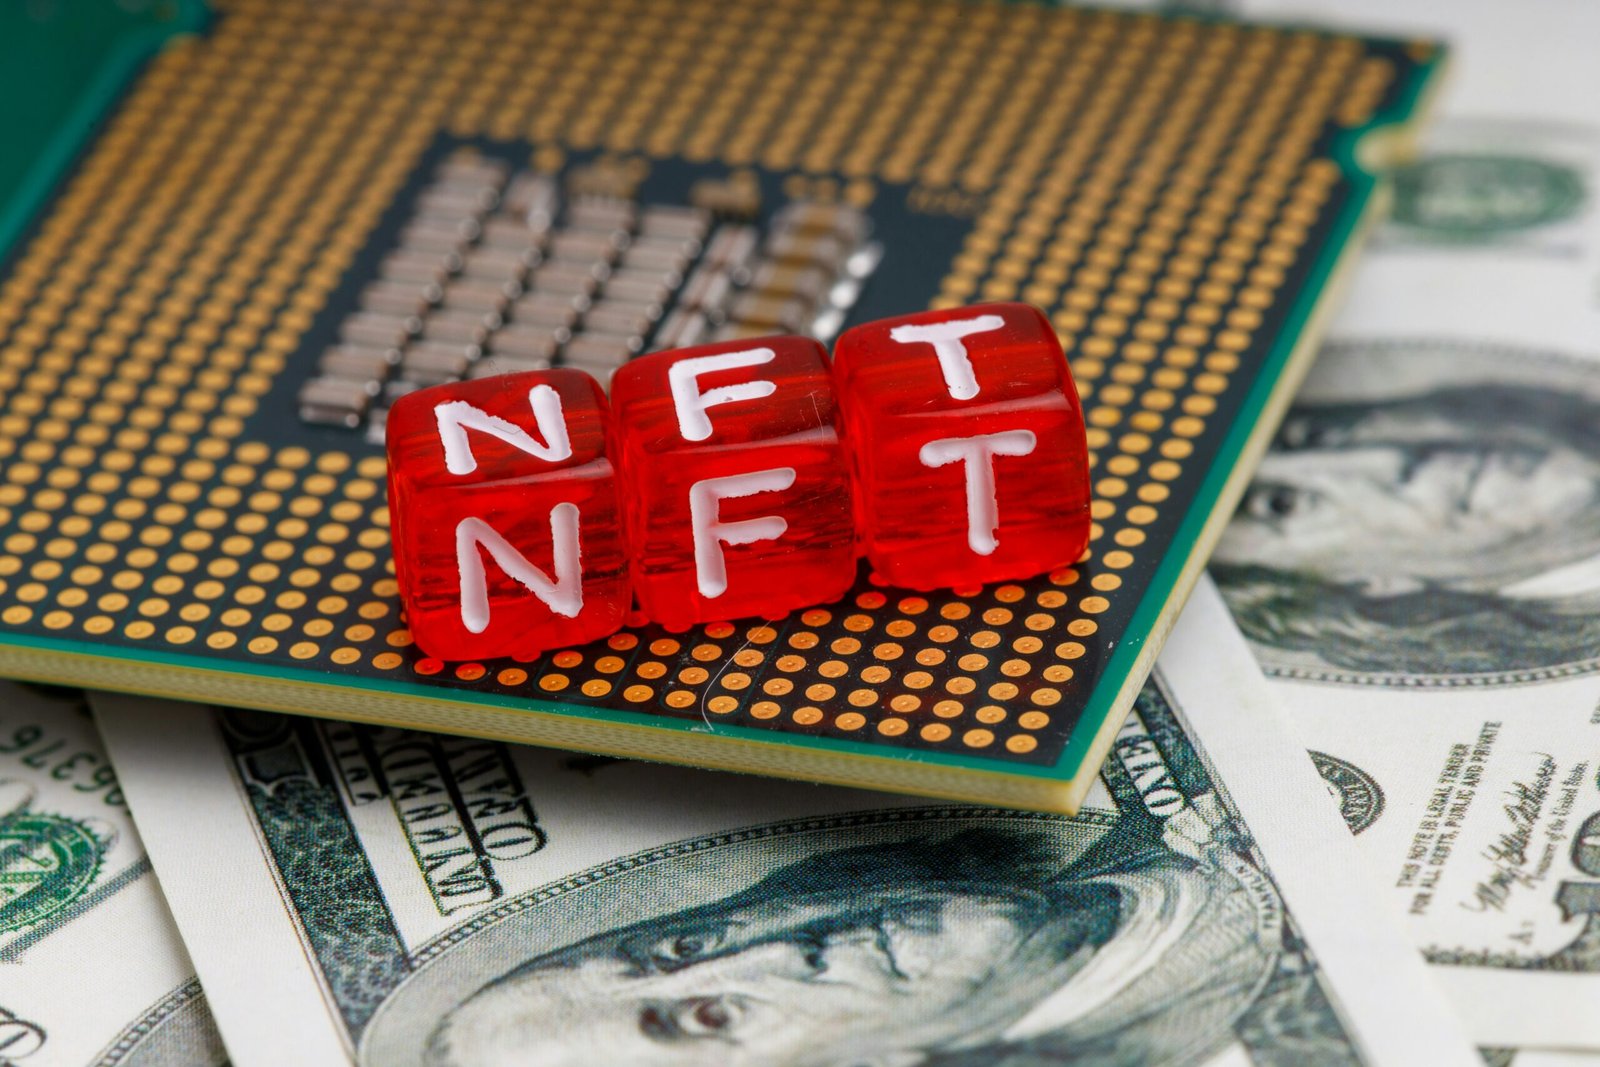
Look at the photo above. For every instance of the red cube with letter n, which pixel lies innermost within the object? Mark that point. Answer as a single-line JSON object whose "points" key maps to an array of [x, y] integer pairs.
{"points": [[504, 506]]}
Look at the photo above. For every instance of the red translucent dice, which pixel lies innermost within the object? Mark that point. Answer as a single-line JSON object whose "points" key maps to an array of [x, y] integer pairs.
{"points": [[745, 478], [504, 513], [738, 486], [968, 446]]}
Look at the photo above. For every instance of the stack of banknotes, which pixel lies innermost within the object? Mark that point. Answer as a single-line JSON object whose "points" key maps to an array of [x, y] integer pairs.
{"points": [[1354, 818]]}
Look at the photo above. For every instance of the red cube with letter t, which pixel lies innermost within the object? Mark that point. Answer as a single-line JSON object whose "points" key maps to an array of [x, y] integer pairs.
{"points": [[969, 448], [738, 485], [504, 515]]}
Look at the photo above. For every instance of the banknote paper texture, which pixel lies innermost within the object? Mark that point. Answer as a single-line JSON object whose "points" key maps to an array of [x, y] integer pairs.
{"points": [[1417, 565], [417, 899], [91, 968]]}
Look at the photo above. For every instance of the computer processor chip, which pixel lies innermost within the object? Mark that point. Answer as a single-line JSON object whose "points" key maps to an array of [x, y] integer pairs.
{"points": [[297, 212]]}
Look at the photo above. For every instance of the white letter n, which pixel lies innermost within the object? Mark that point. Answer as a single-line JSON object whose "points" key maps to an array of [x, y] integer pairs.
{"points": [[564, 596], [456, 417]]}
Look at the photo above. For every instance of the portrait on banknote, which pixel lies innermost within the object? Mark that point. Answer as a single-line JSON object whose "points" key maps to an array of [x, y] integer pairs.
{"points": [[890, 927], [1184, 916], [922, 936], [1429, 514]]}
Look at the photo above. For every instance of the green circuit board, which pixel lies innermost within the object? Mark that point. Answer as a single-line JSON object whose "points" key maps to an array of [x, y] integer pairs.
{"points": [[290, 214]]}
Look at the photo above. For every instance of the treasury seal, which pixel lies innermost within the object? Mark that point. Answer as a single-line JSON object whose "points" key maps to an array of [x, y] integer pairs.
{"points": [[46, 863], [1464, 197]]}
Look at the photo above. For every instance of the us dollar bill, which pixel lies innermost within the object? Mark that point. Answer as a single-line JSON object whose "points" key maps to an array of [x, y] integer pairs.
{"points": [[413, 899], [91, 967], [1417, 565]]}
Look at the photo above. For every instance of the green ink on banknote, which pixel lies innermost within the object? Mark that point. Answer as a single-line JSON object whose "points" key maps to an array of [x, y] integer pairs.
{"points": [[1470, 197], [1164, 903], [1429, 516], [1359, 795], [46, 863]]}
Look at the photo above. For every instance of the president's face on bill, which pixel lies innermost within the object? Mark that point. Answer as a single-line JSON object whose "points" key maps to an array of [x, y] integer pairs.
{"points": [[824, 979], [1407, 494]]}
